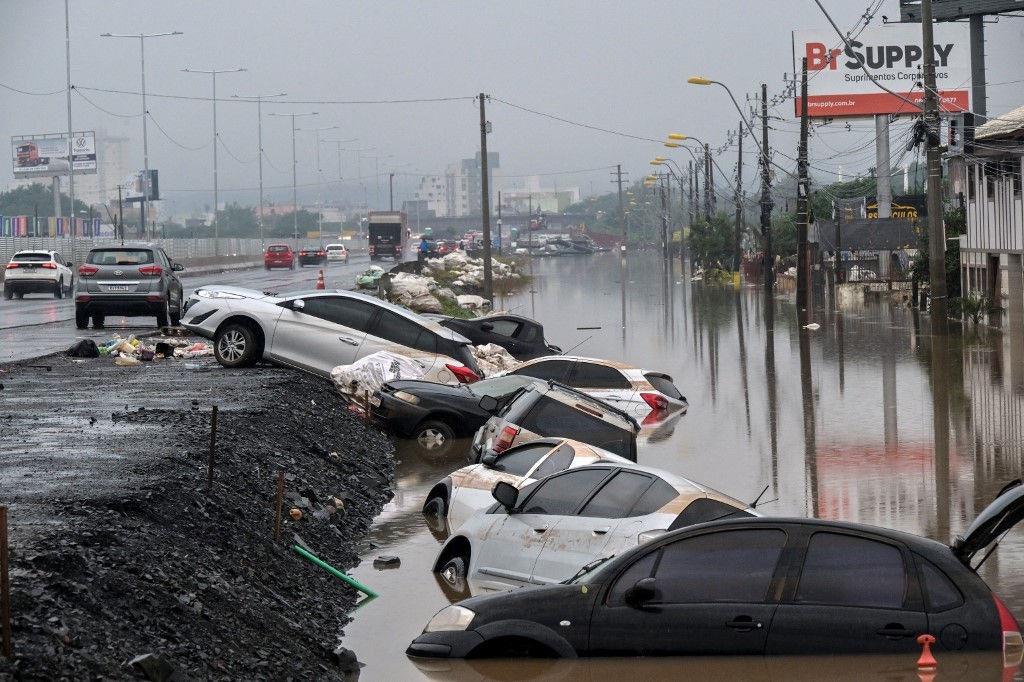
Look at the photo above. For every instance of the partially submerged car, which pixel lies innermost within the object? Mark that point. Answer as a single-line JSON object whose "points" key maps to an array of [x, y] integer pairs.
{"points": [[468, 490], [319, 330], [756, 586], [545, 532], [522, 337]]}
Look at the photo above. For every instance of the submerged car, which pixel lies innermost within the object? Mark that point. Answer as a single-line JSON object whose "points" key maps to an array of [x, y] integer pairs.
{"points": [[641, 392], [756, 586], [468, 490], [522, 337], [545, 532], [37, 271], [130, 279], [321, 329], [437, 415]]}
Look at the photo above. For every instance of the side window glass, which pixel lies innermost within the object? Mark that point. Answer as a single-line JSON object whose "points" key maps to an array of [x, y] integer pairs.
{"points": [[563, 494], [355, 315], [528, 334], [654, 498], [640, 569], [589, 375], [397, 329], [705, 509], [505, 328], [519, 461], [550, 417], [847, 570], [616, 497], [554, 369], [730, 566], [559, 460], [940, 592]]}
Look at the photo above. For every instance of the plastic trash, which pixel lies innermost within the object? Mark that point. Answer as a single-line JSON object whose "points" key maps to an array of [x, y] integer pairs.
{"points": [[127, 361]]}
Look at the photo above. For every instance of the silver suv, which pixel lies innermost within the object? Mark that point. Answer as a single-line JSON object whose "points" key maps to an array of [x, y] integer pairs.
{"points": [[128, 279], [554, 409]]}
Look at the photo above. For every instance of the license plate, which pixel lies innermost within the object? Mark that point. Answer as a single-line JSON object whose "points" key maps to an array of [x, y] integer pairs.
{"points": [[117, 287], [375, 400]]}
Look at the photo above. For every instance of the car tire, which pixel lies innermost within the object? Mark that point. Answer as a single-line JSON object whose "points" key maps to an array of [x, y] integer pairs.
{"points": [[434, 438], [235, 346], [8, 293], [455, 570], [176, 317], [19, 295], [58, 289], [267, 268], [163, 315], [436, 506], [81, 318], [97, 321]]}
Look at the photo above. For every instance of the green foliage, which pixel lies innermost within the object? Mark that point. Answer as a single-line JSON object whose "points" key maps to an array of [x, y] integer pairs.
{"points": [[237, 221], [973, 306], [784, 237], [821, 202], [37, 199], [712, 243], [956, 222], [282, 225]]}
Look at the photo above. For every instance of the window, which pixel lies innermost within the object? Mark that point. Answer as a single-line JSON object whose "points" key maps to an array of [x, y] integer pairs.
{"points": [[616, 498], [529, 334], [663, 384], [705, 509], [550, 417], [563, 494], [847, 570], [654, 498], [346, 312], [397, 329], [640, 569], [551, 369], [121, 257], [940, 592], [590, 375], [519, 461], [504, 328], [559, 460]]}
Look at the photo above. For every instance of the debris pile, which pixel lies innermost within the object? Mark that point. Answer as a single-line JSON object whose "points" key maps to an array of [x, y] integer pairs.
{"points": [[132, 351]]}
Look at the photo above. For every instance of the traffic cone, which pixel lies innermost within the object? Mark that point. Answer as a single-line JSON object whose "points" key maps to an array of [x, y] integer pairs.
{"points": [[926, 662], [320, 281]]}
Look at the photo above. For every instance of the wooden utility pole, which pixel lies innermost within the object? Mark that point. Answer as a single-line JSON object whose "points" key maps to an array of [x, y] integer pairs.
{"points": [[622, 212], [936, 231], [485, 203], [709, 184], [766, 195], [739, 205], [803, 256]]}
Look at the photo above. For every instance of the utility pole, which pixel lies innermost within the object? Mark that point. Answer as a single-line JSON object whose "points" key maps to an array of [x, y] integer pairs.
{"points": [[739, 206], [485, 203], [622, 212], [664, 217], [936, 231], [766, 195], [803, 270], [709, 187]]}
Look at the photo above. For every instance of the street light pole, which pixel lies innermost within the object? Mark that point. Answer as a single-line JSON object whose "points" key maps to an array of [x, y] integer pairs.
{"points": [[259, 138], [214, 72], [146, 185], [295, 200]]}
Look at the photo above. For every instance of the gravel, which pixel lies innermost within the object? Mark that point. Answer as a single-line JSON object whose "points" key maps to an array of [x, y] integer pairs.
{"points": [[126, 564]]}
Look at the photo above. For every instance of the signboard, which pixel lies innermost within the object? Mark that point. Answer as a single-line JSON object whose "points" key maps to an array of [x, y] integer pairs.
{"points": [[138, 186], [892, 57], [47, 155]]}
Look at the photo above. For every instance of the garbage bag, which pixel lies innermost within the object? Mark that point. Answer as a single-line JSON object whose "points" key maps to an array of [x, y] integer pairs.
{"points": [[370, 373], [86, 348]]}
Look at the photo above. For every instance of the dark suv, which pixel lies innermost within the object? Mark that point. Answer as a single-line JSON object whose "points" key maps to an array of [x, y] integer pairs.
{"points": [[128, 279], [554, 409]]}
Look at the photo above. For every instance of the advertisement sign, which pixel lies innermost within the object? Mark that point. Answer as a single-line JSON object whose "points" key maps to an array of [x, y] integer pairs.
{"points": [[138, 186], [45, 155], [892, 57]]}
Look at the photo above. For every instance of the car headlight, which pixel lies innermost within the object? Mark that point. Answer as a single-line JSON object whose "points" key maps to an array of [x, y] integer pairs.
{"points": [[407, 397], [206, 293], [452, 617]]}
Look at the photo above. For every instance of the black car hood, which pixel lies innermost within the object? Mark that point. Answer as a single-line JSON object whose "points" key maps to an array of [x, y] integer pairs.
{"points": [[417, 386], [998, 517]]}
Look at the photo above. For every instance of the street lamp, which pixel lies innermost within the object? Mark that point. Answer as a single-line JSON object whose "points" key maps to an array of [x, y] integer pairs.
{"points": [[145, 139], [697, 80], [259, 133], [319, 178], [295, 201]]}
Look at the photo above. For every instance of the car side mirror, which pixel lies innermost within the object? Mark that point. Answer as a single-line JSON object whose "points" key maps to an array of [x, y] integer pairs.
{"points": [[641, 593], [489, 403], [177, 267], [506, 494], [68, 264]]}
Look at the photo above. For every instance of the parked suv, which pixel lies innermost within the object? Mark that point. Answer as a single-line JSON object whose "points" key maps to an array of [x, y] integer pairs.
{"points": [[128, 279], [37, 271], [554, 409]]}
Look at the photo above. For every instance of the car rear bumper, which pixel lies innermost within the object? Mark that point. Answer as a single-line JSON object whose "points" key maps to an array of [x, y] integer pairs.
{"points": [[122, 305], [31, 286]]}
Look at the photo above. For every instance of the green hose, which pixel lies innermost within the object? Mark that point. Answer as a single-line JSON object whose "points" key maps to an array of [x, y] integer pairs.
{"points": [[335, 572]]}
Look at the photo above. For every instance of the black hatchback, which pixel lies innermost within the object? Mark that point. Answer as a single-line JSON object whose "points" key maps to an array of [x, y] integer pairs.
{"points": [[760, 586]]}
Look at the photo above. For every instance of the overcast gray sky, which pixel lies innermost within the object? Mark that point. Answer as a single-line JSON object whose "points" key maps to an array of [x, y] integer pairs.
{"points": [[615, 66]]}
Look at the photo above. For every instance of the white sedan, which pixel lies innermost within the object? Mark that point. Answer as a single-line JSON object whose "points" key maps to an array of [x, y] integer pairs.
{"points": [[468, 490]]}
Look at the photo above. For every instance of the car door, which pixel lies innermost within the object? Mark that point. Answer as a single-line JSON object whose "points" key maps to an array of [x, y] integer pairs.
{"points": [[853, 595], [322, 332], [711, 596], [510, 549]]}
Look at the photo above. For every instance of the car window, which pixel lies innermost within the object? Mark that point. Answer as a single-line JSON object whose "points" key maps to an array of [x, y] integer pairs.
{"points": [[497, 386], [654, 498], [31, 257], [550, 417], [558, 460], [590, 375], [520, 460], [276, 249], [398, 329], [616, 497], [663, 384], [563, 493], [846, 570], [705, 509], [344, 311], [120, 256], [503, 327], [940, 592], [529, 333], [638, 570], [549, 369]]}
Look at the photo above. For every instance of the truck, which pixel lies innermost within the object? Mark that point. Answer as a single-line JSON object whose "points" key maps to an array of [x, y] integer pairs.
{"points": [[387, 232], [28, 155]]}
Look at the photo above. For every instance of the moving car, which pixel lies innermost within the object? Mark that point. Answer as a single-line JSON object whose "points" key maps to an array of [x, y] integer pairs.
{"points": [[38, 271], [436, 415], [321, 329], [759, 586], [279, 256], [522, 337], [552, 409], [640, 392], [550, 529], [313, 256], [468, 490], [131, 279], [336, 252]]}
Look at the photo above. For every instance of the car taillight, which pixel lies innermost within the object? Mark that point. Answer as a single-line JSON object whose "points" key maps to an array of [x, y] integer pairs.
{"points": [[11, 266], [87, 270], [464, 374], [151, 270], [1013, 644], [49, 266], [398, 249], [656, 401], [372, 249], [505, 438]]}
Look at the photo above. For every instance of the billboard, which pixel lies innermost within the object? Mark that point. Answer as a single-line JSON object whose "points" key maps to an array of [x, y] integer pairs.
{"points": [[892, 57], [138, 186], [44, 155]]}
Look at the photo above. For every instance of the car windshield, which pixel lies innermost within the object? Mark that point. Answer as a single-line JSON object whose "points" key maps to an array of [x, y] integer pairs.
{"points": [[664, 384], [277, 248], [499, 386], [32, 257], [120, 257]]}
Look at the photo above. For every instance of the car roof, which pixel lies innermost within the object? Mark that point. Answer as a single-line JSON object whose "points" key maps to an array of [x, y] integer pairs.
{"points": [[579, 358]]}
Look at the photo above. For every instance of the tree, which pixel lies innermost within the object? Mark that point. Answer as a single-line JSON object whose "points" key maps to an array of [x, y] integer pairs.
{"points": [[711, 243], [956, 224], [36, 199], [282, 225], [237, 221]]}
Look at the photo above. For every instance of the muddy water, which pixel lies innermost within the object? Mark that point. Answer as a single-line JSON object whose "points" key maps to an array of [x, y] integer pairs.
{"points": [[837, 422]]}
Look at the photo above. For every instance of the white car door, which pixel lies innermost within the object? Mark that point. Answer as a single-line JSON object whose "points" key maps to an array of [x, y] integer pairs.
{"points": [[321, 333]]}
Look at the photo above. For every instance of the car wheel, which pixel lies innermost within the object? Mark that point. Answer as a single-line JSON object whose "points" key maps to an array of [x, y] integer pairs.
{"points": [[266, 267], [58, 289], [176, 317], [97, 321], [162, 316], [235, 346], [454, 571], [435, 506], [8, 293], [81, 318], [435, 438], [19, 294]]}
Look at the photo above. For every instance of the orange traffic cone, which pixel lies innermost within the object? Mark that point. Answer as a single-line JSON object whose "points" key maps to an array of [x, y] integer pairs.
{"points": [[926, 662], [320, 281]]}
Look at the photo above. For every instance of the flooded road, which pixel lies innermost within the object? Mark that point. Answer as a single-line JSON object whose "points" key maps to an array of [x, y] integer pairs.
{"points": [[838, 422]]}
